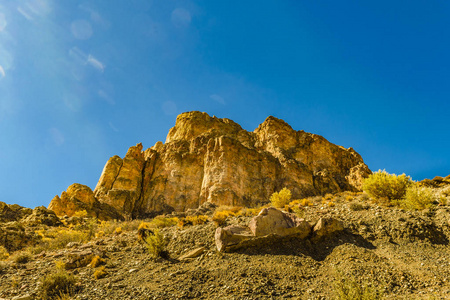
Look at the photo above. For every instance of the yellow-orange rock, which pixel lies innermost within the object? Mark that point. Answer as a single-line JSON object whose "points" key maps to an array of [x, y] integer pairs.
{"points": [[80, 197], [120, 184], [206, 158]]}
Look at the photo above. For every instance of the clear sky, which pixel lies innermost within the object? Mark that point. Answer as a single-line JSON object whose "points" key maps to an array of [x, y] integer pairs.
{"points": [[83, 81]]}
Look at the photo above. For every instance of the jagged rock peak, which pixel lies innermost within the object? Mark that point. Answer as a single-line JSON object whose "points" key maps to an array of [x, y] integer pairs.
{"points": [[189, 125]]}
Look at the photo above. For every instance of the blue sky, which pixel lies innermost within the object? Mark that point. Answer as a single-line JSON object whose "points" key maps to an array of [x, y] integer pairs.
{"points": [[83, 81]]}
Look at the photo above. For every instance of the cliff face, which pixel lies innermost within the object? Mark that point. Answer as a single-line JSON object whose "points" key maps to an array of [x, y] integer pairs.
{"points": [[210, 159]]}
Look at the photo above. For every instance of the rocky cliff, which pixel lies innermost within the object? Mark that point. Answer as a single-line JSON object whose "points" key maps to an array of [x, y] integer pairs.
{"points": [[210, 159]]}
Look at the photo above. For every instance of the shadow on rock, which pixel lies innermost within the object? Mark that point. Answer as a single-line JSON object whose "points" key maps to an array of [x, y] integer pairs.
{"points": [[317, 249]]}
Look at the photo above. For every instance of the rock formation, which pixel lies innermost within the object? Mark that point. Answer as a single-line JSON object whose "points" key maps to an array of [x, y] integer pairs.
{"points": [[208, 159], [80, 197]]}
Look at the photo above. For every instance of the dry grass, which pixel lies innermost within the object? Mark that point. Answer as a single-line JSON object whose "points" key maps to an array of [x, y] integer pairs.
{"points": [[21, 257], [58, 283]]}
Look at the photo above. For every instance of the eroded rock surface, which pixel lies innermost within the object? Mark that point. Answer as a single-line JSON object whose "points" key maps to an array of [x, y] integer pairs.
{"points": [[208, 159]]}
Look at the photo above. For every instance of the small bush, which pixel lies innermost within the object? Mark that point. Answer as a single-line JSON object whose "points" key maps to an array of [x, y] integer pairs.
{"points": [[60, 265], [3, 253], [306, 202], [96, 261], [156, 245], [281, 198], [350, 289], [386, 187], [162, 222], [118, 230], [220, 217], [100, 273], [249, 212], [417, 198], [100, 234], [58, 283], [21, 257]]}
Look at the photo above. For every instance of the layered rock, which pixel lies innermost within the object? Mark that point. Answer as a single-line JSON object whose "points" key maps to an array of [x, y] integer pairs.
{"points": [[208, 159]]}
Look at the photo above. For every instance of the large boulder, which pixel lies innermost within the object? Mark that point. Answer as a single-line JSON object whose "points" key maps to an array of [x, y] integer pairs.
{"points": [[269, 226], [208, 159], [273, 221]]}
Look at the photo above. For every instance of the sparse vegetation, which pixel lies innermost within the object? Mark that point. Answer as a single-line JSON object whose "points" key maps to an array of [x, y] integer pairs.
{"points": [[100, 273], [96, 261], [281, 198], [220, 216], [3, 253], [156, 244], [197, 220], [349, 289], [161, 222], [417, 198], [21, 257], [58, 283], [386, 188]]}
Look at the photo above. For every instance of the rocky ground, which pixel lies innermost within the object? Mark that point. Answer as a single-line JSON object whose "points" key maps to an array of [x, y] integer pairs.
{"points": [[396, 253]]}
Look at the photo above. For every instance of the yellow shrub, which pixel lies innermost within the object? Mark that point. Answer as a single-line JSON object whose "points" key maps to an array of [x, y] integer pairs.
{"points": [[156, 244], [386, 187], [328, 196], [100, 273], [96, 261], [197, 220], [3, 253], [100, 234], [118, 230], [417, 198], [281, 198], [219, 218], [249, 212], [331, 204], [60, 265], [306, 202], [161, 222], [143, 225]]}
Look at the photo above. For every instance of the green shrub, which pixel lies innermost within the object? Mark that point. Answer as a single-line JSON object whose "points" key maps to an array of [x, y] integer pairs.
{"points": [[58, 283], [417, 198], [281, 198], [386, 187], [156, 244]]}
